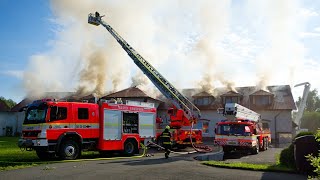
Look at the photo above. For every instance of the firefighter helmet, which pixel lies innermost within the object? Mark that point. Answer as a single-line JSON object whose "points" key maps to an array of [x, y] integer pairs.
{"points": [[167, 127]]}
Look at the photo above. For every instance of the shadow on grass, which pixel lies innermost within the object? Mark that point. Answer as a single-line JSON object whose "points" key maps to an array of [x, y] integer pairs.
{"points": [[254, 167]]}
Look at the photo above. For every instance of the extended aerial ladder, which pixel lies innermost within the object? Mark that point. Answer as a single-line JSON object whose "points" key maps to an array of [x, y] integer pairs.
{"points": [[191, 112], [302, 104]]}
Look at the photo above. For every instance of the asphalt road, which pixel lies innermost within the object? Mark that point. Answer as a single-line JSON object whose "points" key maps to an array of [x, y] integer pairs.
{"points": [[264, 157], [156, 167]]}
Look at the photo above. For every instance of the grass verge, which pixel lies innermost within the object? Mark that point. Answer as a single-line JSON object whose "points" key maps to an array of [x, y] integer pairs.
{"points": [[11, 157], [247, 166]]}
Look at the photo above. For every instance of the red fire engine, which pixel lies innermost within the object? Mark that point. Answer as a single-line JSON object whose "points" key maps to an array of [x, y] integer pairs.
{"points": [[242, 130], [66, 128]]}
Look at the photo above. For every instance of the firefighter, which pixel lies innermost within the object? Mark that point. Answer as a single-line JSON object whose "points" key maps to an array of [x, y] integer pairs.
{"points": [[166, 140]]}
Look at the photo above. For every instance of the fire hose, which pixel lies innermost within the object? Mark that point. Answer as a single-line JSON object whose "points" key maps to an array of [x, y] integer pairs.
{"points": [[204, 148]]}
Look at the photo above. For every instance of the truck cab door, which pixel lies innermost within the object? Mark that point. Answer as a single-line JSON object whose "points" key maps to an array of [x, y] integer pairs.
{"points": [[85, 120]]}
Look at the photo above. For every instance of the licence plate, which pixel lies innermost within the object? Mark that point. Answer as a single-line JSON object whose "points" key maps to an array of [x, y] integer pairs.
{"points": [[232, 142]]}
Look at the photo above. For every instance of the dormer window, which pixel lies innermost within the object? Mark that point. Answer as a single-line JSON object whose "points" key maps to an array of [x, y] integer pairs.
{"points": [[231, 99], [203, 101], [262, 100]]}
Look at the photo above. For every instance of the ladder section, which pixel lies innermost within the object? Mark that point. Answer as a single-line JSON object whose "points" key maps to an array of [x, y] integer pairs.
{"points": [[234, 111], [166, 88]]}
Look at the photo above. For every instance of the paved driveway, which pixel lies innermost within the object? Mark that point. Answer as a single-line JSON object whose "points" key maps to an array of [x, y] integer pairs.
{"points": [[264, 157], [156, 167]]}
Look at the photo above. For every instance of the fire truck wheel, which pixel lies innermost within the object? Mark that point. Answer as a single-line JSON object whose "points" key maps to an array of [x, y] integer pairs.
{"points": [[69, 150], [267, 144], [255, 149], [265, 141], [130, 147], [43, 155]]}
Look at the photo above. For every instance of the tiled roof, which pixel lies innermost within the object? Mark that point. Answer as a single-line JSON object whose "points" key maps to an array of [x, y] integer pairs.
{"points": [[129, 92], [262, 93], [282, 98], [21, 104], [202, 94], [132, 92], [231, 93]]}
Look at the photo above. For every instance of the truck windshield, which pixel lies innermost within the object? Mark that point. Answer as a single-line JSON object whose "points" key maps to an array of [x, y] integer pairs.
{"points": [[232, 129], [36, 114]]}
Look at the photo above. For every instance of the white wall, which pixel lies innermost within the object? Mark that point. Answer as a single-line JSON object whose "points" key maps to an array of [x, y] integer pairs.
{"points": [[280, 124], [11, 119]]}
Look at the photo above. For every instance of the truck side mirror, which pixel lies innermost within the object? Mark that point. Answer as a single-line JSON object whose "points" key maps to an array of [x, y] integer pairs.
{"points": [[215, 130], [220, 110], [24, 108]]}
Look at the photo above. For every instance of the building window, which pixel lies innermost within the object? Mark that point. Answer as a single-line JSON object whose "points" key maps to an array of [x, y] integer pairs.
{"points": [[262, 100], [231, 99], [83, 113], [203, 101]]}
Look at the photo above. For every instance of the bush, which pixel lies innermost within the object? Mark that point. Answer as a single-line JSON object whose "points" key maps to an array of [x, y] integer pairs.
{"points": [[315, 160], [287, 154], [287, 157], [304, 133]]}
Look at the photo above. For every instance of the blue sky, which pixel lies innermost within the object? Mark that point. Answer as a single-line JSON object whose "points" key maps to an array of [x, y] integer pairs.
{"points": [[24, 32], [48, 45]]}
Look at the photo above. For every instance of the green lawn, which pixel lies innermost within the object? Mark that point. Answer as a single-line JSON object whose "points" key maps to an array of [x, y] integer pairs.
{"points": [[255, 167], [11, 157]]}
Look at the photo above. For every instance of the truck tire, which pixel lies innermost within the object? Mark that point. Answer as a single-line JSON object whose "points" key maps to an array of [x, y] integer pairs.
{"points": [[255, 150], [44, 155], [226, 149], [267, 144], [130, 147], [69, 150]]}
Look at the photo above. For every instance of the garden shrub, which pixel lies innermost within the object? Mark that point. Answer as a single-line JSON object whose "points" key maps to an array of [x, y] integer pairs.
{"points": [[315, 160], [287, 154], [287, 157]]}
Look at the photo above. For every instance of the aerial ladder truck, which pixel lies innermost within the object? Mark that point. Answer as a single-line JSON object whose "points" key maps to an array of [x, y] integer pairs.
{"points": [[184, 114], [241, 130]]}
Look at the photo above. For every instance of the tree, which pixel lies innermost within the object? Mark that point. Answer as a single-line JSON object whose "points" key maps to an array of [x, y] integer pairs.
{"points": [[313, 101], [9, 102], [311, 121]]}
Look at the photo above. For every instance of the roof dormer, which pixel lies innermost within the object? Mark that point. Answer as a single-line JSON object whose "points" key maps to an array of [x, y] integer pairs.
{"points": [[231, 97], [203, 99], [261, 98]]}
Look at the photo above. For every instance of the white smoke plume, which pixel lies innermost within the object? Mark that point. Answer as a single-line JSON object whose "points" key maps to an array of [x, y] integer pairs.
{"points": [[282, 23], [215, 23], [182, 39], [90, 61]]}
